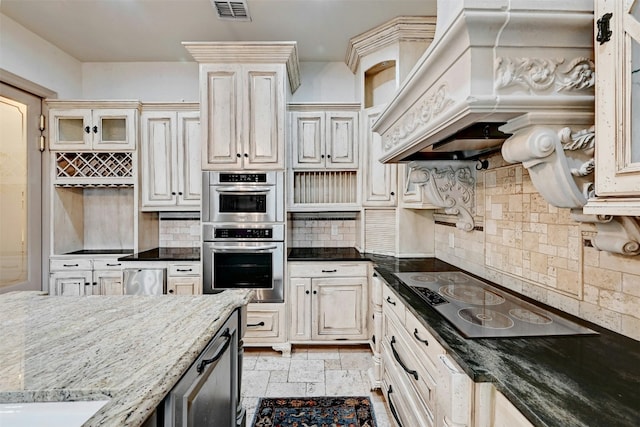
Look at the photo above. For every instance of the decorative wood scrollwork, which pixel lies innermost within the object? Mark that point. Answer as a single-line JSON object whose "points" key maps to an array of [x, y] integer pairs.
{"points": [[451, 188], [542, 74]]}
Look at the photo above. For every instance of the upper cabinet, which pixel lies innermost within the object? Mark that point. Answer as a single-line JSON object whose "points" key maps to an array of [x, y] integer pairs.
{"points": [[617, 153], [380, 181], [170, 153], [243, 92], [92, 125], [324, 136]]}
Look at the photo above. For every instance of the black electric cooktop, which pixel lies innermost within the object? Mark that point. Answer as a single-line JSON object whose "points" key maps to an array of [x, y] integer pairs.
{"points": [[479, 310]]}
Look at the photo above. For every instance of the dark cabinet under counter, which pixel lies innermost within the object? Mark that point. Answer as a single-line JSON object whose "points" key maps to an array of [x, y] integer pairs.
{"points": [[165, 254]]}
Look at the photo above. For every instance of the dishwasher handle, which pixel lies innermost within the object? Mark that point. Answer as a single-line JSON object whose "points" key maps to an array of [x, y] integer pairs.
{"points": [[204, 362]]}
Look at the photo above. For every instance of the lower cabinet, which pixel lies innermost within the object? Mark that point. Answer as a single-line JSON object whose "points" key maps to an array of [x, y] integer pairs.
{"points": [[330, 302], [184, 279], [85, 276], [265, 327], [430, 389]]}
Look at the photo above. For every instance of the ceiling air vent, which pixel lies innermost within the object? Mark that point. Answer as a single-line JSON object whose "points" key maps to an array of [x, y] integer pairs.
{"points": [[232, 10]]}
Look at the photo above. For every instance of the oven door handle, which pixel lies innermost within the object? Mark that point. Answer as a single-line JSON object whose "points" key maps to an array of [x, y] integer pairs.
{"points": [[241, 191], [242, 249]]}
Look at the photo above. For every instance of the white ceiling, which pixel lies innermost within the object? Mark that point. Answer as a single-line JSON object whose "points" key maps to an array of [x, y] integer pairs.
{"points": [[153, 30]]}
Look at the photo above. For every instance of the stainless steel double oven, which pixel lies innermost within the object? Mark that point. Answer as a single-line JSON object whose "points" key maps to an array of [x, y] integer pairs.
{"points": [[243, 233]]}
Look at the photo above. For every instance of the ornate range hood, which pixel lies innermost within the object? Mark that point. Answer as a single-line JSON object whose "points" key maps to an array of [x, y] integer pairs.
{"points": [[490, 62]]}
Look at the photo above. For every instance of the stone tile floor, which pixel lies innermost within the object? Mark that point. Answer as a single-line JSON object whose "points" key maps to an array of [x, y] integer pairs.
{"points": [[311, 371]]}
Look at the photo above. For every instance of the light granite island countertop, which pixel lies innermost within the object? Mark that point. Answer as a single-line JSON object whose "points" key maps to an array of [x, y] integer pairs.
{"points": [[130, 350]]}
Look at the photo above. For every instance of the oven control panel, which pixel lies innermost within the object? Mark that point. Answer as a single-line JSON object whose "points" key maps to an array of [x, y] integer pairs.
{"points": [[243, 233], [242, 177]]}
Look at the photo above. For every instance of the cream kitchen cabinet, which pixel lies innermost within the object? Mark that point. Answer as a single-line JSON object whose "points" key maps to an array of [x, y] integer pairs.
{"points": [[85, 276], [243, 116], [323, 136], [380, 181], [328, 301], [422, 384], [93, 125], [170, 159], [266, 327], [184, 279], [617, 146]]}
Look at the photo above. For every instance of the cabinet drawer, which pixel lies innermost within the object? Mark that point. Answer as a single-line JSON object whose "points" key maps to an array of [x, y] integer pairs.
{"points": [[264, 323], [328, 269], [107, 264], [422, 341], [397, 350], [406, 406], [392, 303], [70, 264], [184, 269]]}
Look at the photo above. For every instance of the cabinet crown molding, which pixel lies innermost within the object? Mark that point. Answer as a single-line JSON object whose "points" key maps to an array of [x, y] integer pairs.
{"points": [[401, 28], [285, 52], [93, 104]]}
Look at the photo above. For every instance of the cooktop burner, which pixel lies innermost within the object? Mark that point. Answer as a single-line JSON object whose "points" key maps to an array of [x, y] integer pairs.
{"points": [[479, 310]]}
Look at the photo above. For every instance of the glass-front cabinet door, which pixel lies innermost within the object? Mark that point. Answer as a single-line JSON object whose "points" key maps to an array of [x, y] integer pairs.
{"points": [[617, 156]]}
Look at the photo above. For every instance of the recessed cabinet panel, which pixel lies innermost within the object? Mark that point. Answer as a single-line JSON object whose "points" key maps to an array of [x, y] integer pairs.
{"points": [[340, 305], [380, 180], [341, 146], [243, 109], [223, 123], [264, 117], [170, 160], [308, 139]]}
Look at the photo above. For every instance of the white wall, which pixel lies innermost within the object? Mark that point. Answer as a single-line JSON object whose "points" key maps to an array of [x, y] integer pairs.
{"points": [[33, 58], [326, 82], [144, 81]]}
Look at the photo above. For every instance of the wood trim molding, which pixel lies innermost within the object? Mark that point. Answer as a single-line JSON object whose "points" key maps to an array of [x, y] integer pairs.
{"points": [[250, 52], [401, 28], [26, 85]]}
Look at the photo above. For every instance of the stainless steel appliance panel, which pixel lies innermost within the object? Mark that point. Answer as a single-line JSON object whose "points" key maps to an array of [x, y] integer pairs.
{"points": [[207, 394], [145, 281], [255, 265], [243, 197]]}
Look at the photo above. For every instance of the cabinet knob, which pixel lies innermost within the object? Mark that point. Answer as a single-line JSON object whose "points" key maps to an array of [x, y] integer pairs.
{"points": [[173, 193], [393, 193], [246, 155], [87, 129], [170, 291], [238, 155], [328, 156], [315, 292], [179, 193], [306, 292], [322, 156], [95, 129]]}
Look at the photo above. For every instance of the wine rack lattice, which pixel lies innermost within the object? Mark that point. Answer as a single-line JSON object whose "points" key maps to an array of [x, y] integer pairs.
{"points": [[94, 165]]}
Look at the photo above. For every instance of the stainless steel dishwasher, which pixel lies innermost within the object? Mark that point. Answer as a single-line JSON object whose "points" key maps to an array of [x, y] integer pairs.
{"points": [[207, 394], [145, 281]]}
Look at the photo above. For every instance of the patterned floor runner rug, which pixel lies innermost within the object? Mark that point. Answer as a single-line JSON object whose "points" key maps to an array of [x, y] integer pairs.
{"points": [[314, 412]]}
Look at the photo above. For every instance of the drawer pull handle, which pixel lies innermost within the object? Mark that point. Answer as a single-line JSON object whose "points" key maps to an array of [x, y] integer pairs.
{"points": [[329, 271], [206, 362], [184, 270], [69, 265], [114, 265], [254, 325], [393, 408], [415, 334], [390, 301], [397, 357]]}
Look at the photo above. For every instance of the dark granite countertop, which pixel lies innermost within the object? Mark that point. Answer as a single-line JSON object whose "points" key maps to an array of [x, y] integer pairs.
{"points": [[554, 381], [101, 252], [165, 254], [325, 254]]}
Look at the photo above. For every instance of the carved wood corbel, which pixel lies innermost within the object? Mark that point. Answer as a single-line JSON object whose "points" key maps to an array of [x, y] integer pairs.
{"points": [[449, 187], [561, 165]]}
